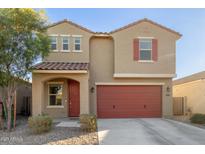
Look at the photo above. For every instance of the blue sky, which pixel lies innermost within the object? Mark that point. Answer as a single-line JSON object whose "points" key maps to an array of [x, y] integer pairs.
{"points": [[189, 22]]}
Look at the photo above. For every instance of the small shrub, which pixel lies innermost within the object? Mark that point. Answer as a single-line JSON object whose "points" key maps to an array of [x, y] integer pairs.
{"points": [[88, 122], [40, 124], [198, 118]]}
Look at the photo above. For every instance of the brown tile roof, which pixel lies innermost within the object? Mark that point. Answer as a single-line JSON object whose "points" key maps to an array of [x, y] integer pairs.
{"points": [[116, 30], [146, 20], [61, 66], [72, 23]]}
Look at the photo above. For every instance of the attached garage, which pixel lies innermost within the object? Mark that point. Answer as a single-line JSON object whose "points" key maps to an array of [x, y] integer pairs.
{"points": [[129, 101]]}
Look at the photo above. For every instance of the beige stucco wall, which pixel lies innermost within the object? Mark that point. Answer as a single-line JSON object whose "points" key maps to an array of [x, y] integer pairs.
{"points": [[109, 55], [101, 70], [123, 50], [40, 93], [68, 29], [195, 95]]}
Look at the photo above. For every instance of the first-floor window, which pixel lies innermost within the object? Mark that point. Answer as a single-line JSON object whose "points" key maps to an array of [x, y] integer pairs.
{"points": [[55, 94]]}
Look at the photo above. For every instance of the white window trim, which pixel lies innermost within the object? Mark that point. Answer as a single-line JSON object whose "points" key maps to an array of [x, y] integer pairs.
{"points": [[65, 35], [140, 40], [55, 35], [77, 35], [77, 50], [80, 36], [54, 106], [146, 61], [62, 43]]}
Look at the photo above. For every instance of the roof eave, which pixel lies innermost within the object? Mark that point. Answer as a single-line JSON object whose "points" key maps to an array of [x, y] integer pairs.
{"points": [[108, 34], [72, 23], [61, 71]]}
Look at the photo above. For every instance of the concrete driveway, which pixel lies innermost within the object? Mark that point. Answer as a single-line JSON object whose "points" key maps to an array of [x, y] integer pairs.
{"points": [[148, 131]]}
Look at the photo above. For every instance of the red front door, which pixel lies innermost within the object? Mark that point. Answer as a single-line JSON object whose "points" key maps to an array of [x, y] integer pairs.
{"points": [[74, 98]]}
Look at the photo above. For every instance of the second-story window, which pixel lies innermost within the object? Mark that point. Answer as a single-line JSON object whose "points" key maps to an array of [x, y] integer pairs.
{"points": [[145, 48], [65, 43], [53, 43], [77, 44]]}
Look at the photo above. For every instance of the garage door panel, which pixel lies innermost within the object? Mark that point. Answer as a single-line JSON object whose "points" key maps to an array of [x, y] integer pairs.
{"points": [[121, 96], [129, 95], [128, 101]]}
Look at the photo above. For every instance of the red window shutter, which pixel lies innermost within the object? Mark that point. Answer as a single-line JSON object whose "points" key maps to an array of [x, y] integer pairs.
{"points": [[136, 49], [154, 50]]}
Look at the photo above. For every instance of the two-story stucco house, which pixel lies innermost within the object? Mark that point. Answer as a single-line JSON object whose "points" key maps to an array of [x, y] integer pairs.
{"points": [[125, 73]]}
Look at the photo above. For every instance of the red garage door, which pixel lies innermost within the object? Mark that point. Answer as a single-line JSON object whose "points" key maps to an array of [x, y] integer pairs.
{"points": [[128, 101]]}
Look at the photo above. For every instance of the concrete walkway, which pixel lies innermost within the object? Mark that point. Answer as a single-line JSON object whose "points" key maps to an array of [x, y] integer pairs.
{"points": [[68, 124], [148, 131]]}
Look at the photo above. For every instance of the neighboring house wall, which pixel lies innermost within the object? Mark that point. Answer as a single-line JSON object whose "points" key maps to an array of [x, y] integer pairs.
{"points": [[101, 71], [71, 30], [194, 91], [23, 90], [123, 50]]}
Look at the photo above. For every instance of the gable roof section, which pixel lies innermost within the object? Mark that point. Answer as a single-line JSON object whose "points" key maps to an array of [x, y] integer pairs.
{"points": [[116, 30], [149, 21], [72, 23], [190, 78]]}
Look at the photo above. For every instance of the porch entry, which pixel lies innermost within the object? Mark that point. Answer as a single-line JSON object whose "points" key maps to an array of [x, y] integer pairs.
{"points": [[73, 98]]}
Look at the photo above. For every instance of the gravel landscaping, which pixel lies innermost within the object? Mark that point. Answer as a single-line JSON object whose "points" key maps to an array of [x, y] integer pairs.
{"points": [[185, 119], [58, 135]]}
